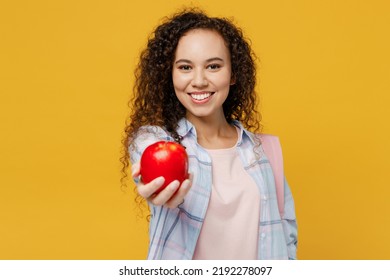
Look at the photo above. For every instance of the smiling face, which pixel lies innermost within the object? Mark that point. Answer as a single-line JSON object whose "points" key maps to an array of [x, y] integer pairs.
{"points": [[202, 73]]}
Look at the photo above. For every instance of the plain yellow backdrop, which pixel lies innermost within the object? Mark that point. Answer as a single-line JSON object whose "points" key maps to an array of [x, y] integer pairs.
{"points": [[65, 79]]}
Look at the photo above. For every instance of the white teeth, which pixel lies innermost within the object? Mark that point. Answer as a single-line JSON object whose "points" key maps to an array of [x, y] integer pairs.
{"points": [[200, 96]]}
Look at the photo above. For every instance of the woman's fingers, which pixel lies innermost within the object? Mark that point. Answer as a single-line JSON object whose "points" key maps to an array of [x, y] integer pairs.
{"points": [[179, 197], [171, 196], [166, 194], [147, 190]]}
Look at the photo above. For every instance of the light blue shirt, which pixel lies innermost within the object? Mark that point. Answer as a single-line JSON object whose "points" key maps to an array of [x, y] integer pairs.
{"points": [[173, 233]]}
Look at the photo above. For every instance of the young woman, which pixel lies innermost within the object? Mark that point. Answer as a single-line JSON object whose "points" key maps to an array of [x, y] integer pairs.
{"points": [[195, 84]]}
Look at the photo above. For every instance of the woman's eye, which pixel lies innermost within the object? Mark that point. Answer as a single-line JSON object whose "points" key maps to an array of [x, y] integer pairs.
{"points": [[185, 67], [214, 66]]}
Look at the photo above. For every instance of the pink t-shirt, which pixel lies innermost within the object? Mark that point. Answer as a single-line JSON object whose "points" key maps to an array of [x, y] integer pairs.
{"points": [[230, 228]]}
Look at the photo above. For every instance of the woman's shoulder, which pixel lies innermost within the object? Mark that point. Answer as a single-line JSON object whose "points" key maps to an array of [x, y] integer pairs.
{"points": [[256, 137], [151, 133], [267, 136], [153, 129], [145, 136]]}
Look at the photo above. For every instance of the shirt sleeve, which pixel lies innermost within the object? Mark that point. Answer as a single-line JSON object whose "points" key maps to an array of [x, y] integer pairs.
{"points": [[146, 136], [289, 222]]}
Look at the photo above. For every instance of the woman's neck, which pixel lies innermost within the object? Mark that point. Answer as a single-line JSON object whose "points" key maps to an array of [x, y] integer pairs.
{"points": [[214, 133]]}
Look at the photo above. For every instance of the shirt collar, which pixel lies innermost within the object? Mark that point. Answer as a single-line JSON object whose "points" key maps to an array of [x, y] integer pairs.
{"points": [[244, 133], [185, 127]]}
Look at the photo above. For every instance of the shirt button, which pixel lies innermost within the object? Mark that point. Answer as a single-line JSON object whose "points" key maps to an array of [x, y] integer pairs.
{"points": [[262, 235], [265, 198]]}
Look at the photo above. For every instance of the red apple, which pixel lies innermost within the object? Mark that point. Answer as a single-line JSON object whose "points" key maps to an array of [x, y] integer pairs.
{"points": [[164, 158]]}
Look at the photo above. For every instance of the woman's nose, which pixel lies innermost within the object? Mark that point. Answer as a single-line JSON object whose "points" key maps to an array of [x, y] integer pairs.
{"points": [[199, 79]]}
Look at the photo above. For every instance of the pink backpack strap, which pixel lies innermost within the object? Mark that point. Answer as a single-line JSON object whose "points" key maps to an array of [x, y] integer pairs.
{"points": [[273, 150]]}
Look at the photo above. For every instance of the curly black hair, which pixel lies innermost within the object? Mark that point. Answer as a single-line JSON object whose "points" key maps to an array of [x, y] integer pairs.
{"points": [[154, 101]]}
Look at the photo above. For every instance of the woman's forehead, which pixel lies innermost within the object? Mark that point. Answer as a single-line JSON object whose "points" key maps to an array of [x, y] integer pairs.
{"points": [[201, 43]]}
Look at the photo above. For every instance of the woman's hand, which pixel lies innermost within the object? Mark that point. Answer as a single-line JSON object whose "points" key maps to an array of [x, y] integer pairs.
{"points": [[167, 197]]}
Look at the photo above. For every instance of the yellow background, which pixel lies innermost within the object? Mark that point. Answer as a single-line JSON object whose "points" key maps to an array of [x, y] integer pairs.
{"points": [[66, 75]]}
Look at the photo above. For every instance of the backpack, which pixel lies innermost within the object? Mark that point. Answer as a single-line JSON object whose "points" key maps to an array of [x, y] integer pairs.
{"points": [[273, 150]]}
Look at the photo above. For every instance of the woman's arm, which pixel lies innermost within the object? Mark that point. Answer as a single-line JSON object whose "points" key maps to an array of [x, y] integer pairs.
{"points": [[167, 197]]}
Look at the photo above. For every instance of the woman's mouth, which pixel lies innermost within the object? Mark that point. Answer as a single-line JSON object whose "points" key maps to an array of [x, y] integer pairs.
{"points": [[201, 97]]}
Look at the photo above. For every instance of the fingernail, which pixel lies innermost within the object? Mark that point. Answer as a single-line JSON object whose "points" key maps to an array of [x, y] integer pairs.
{"points": [[185, 184], [174, 185], [160, 180]]}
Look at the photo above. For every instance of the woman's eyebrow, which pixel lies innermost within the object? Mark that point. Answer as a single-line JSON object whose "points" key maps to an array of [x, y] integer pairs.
{"points": [[214, 58], [183, 61], [207, 60]]}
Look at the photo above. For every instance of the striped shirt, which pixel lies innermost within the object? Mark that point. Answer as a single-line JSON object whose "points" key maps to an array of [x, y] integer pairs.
{"points": [[173, 233]]}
